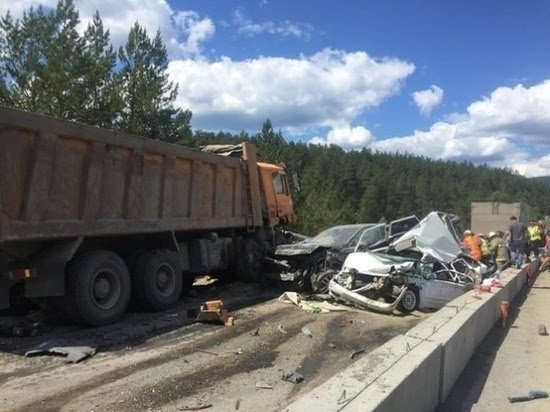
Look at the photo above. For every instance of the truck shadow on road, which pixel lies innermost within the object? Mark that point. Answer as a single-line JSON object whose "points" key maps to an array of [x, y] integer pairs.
{"points": [[137, 326]]}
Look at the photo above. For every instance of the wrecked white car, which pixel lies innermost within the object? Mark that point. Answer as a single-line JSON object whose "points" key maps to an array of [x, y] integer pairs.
{"points": [[423, 269]]}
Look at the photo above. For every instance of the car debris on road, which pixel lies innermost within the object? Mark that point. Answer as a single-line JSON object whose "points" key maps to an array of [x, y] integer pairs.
{"points": [[293, 377], [310, 306], [73, 353], [214, 311]]}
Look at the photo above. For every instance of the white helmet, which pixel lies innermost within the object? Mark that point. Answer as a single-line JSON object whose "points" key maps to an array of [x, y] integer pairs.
{"points": [[491, 234]]}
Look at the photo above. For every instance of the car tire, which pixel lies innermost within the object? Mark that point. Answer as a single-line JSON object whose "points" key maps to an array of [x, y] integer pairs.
{"points": [[410, 301], [320, 280]]}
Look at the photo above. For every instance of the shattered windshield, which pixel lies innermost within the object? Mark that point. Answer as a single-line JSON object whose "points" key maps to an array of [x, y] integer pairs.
{"points": [[338, 235]]}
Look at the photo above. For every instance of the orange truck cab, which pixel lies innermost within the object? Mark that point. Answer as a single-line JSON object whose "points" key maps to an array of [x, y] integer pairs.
{"points": [[277, 204]]}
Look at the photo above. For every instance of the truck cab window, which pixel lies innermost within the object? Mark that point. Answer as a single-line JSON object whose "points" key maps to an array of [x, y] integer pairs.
{"points": [[279, 184]]}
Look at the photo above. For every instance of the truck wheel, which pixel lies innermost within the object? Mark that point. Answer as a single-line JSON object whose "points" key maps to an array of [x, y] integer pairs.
{"points": [[410, 301], [158, 280], [250, 262], [98, 288]]}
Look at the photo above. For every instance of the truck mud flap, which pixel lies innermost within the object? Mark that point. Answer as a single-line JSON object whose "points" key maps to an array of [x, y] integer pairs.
{"points": [[4, 292], [342, 293]]}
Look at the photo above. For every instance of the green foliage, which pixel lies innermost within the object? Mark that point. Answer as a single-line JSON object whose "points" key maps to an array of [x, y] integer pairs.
{"points": [[148, 93], [100, 94], [339, 187], [46, 66], [40, 59]]}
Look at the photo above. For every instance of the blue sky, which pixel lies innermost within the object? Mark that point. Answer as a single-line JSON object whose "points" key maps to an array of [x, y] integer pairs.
{"points": [[459, 80]]}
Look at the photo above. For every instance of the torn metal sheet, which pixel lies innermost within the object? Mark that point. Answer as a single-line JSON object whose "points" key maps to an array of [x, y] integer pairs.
{"points": [[363, 301], [431, 236], [73, 353]]}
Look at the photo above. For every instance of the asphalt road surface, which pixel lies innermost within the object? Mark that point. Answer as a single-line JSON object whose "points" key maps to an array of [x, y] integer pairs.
{"points": [[164, 361]]}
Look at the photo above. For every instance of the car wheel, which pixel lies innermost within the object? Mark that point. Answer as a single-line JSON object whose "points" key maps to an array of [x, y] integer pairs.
{"points": [[320, 281], [410, 301]]}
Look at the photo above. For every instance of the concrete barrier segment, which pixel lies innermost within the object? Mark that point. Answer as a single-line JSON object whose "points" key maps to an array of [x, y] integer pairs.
{"points": [[409, 385], [341, 390]]}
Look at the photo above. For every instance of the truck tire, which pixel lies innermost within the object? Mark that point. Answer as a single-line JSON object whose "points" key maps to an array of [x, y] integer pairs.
{"points": [[158, 280], [250, 262], [98, 288], [410, 301]]}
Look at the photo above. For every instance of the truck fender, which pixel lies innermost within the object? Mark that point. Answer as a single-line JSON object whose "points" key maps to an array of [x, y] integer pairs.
{"points": [[49, 267]]}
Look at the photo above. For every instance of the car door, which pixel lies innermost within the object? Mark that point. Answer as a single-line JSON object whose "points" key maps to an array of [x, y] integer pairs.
{"points": [[436, 293]]}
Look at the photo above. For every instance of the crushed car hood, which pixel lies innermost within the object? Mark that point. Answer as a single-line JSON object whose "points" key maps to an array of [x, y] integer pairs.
{"points": [[431, 236]]}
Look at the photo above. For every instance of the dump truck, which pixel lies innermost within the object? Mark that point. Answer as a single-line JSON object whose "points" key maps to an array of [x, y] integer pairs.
{"points": [[90, 217]]}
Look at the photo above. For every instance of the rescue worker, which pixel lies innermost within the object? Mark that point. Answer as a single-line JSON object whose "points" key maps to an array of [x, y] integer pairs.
{"points": [[483, 244], [534, 238], [470, 246], [498, 248]]}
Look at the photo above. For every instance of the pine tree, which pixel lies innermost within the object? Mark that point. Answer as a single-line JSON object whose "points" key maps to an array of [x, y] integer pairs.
{"points": [[147, 92], [101, 98]]}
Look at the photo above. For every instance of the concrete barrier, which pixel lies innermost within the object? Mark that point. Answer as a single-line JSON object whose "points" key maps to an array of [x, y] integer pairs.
{"points": [[368, 384], [416, 371]]}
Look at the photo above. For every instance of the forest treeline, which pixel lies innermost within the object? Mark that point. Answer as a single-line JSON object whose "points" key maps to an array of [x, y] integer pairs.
{"points": [[338, 186], [47, 66]]}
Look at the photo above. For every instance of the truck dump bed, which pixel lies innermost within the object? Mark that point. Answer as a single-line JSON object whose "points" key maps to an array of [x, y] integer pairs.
{"points": [[61, 179]]}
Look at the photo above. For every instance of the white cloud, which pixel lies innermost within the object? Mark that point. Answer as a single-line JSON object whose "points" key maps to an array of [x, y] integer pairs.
{"points": [[329, 88], [285, 28], [429, 99], [511, 128], [347, 137], [182, 31], [196, 29]]}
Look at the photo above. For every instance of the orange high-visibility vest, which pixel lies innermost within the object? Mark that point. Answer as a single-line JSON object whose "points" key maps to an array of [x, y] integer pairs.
{"points": [[472, 247]]}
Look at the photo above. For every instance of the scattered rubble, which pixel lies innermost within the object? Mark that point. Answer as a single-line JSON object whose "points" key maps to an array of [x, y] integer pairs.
{"points": [[19, 326], [73, 353], [213, 311], [293, 377], [197, 407], [307, 332], [357, 353], [530, 396], [311, 306]]}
